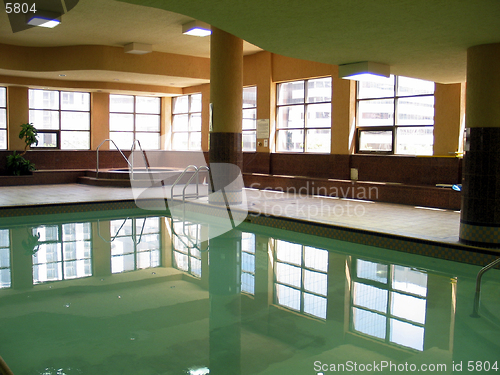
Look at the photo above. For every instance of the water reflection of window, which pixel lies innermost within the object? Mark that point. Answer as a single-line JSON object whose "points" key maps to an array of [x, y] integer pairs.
{"points": [[5, 279], [135, 244], [186, 245], [64, 252], [248, 263], [389, 303], [301, 278]]}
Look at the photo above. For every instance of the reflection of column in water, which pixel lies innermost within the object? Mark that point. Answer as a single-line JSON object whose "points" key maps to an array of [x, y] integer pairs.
{"points": [[225, 303]]}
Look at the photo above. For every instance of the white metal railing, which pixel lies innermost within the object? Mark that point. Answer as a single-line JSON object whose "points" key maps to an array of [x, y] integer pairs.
{"points": [[130, 164], [477, 296]]}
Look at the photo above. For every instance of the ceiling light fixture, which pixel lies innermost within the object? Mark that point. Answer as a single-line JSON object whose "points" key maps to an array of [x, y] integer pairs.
{"points": [[138, 48], [196, 28], [363, 70], [43, 18]]}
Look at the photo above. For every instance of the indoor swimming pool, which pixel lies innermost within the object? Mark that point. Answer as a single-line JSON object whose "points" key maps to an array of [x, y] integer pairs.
{"points": [[123, 292]]}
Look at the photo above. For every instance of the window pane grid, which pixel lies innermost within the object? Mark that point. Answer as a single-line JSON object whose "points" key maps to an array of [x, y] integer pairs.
{"points": [[5, 273], [63, 252], [403, 111], [186, 122], [3, 118], [249, 124], [186, 245], [303, 121], [300, 282], [248, 263], [62, 118], [135, 118], [393, 296], [135, 244]]}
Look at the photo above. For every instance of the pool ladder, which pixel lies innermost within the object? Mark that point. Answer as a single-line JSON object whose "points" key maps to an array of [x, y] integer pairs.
{"points": [[130, 164], [477, 296], [191, 242]]}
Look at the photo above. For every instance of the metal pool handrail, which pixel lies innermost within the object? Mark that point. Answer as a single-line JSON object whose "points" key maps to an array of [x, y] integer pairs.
{"points": [[114, 144], [4, 369], [179, 178], [477, 296], [146, 163]]}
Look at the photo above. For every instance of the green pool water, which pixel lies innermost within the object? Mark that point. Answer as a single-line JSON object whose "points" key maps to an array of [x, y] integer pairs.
{"points": [[142, 295]]}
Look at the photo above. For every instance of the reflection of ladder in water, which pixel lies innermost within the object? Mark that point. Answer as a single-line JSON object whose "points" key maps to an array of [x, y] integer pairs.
{"points": [[186, 237], [118, 232], [189, 236]]}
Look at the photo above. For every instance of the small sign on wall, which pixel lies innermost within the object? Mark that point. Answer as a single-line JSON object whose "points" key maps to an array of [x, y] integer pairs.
{"points": [[262, 128]]}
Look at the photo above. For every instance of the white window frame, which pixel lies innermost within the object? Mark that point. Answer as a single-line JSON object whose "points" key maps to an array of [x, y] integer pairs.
{"points": [[57, 132], [305, 104], [392, 128], [134, 132], [187, 126]]}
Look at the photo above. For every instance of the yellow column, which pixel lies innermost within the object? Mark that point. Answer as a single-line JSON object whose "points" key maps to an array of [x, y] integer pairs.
{"points": [[343, 115], [226, 86], [449, 109], [18, 114], [100, 120]]}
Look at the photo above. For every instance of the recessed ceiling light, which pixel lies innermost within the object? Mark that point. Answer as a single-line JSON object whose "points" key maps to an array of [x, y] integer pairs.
{"points": [[43, 18], [363, 70], [196, 28]]}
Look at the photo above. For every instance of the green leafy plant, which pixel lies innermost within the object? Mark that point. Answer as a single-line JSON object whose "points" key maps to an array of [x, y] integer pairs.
{"points": [[29, 133], [16, 163]]}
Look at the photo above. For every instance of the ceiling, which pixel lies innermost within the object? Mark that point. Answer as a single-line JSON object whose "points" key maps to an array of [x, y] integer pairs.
{"points": [[425, 39]]}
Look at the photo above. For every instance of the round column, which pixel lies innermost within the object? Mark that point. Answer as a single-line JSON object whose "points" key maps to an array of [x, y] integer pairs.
{"points": [[226, 90], [480, 215]]}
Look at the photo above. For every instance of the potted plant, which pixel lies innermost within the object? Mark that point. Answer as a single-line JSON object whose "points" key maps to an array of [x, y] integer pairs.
{"points": [[16, 163]]}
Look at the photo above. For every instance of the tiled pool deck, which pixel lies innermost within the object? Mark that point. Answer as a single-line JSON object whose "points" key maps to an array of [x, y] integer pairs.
{"points": [[407, 221]]}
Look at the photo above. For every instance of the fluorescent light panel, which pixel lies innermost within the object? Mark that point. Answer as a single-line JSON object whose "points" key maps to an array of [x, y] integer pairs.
{"points": [[363, 70], [196, 28], [43, 19]]}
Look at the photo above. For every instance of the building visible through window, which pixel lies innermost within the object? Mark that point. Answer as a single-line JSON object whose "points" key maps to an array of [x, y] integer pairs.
{"points": [[3, 118], [395, 115], [249, 126], [303, 119], [135, 118], [62, 119], [186, 122]]}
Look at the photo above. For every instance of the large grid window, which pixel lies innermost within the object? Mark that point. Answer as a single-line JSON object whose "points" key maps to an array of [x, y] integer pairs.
{"points": [[304, 116], [135, 244], [186, 245], [248, 263], [186, 122], [5, 278], [301, 278], [249, 126], [64, 252], [62, 119], [388, 302], [395, 115], [135, 118], [3, 118]]}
